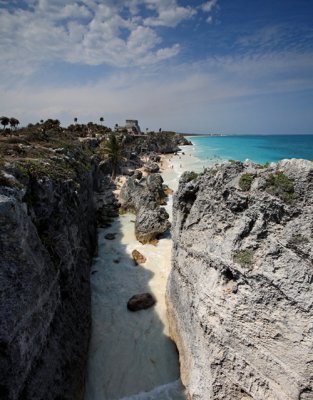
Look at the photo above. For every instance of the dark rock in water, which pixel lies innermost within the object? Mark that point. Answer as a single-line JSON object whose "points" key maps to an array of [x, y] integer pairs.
{"points": [[140, 301], [152, 167], [110, 236], [93, 272], [138, 257]]}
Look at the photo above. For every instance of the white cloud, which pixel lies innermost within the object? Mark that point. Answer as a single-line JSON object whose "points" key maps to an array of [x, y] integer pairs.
{"points": [[87, 32], [176, 97], [208, 6], [170, 16]]}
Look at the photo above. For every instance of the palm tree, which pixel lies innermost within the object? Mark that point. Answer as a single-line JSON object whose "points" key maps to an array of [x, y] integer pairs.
{"points": [[4, 121], [101, 120], [14, 122], [75, 120], [113, 151]]}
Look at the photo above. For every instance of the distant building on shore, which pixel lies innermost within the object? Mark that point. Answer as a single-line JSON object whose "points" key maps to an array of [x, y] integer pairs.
{"points": [[132, 127]]}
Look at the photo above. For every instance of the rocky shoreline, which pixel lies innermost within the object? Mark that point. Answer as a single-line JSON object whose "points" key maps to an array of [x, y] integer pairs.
{"points": [[52, 199], [240, 290]]}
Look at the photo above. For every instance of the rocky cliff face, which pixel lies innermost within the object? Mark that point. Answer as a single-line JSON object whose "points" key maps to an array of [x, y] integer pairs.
{"points": [[143, 195], [47, 240], [240, 292]]}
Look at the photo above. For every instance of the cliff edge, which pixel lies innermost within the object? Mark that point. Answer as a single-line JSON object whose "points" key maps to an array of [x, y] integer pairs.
{"points": [[240, 291]]}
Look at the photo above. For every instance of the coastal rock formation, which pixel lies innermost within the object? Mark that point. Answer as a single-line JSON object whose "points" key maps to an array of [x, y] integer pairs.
{"points": [[151, 167], [143, 195], [142, 192], [240, 293], [47, 240], [158, 143], [151, 223], [105, 201], [54, 191]]}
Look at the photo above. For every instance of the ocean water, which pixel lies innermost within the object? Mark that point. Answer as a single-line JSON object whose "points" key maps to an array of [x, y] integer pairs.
{"points": [[258, 148]]}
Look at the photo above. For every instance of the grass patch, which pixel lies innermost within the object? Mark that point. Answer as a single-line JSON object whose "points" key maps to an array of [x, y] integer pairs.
{"points": [[245, 181], [280, 185], [244, 257]]}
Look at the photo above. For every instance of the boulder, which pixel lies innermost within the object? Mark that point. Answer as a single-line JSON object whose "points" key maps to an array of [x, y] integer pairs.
{"points": [[140, 301], [138, 257], [151, 167], [150, 224], [138, 192]]}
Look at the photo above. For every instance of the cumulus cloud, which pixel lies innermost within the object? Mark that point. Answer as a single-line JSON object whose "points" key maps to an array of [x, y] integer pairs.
{"points": [[86, 32], [170, 16]]}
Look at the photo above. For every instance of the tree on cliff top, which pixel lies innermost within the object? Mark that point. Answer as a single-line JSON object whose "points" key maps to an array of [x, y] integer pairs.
{"points": [[113, 151], [4, 121], [14, 122]]}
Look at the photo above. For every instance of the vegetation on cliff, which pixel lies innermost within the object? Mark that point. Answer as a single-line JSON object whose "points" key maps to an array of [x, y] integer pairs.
{"points": [[47, 149]]}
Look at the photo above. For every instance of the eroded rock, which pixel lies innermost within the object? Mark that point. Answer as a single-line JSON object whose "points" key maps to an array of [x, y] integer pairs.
{"points": [[240, 295], [143, 195], [150, 224], [151, 167]]}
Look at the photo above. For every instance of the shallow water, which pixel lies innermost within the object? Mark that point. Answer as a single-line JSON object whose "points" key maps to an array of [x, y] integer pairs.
{"points": [[258, 148], [131, 355]]}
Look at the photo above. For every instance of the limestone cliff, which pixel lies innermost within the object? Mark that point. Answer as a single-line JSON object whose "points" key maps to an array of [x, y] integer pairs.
{"points": [[143, 195], [54, 191], [240, 292], [47, 239]]}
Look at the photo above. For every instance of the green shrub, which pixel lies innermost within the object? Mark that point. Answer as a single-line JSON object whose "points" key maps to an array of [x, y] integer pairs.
{"points": [[192, 176], [280, 185], [245, 181], [244, 257]]}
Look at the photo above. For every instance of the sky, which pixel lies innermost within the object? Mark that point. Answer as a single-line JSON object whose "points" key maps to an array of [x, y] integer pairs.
{"points": [[202, 66]]}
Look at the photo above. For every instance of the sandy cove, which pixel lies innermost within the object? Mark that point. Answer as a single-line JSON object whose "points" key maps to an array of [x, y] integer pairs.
{"points": [[132, 353]]}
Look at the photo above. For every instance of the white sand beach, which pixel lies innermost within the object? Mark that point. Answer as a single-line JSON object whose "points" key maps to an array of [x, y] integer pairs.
{"points": [[131, 355]]}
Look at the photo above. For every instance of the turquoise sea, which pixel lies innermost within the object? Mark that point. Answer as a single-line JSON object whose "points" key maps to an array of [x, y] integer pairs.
{"points": [[257, 148]]}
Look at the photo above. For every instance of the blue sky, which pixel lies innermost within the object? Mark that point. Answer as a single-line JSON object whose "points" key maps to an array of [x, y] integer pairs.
{"points": [[243, 66]]}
